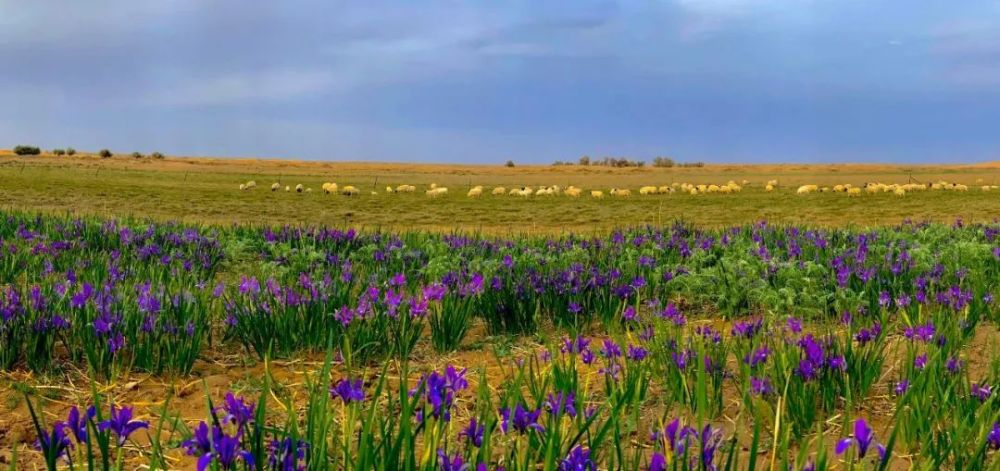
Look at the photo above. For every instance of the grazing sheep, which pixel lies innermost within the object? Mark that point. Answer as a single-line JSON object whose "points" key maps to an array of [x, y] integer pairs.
{"points": [[597, 194], [406, 189], [773, 183], [251, 184], [624, 193], [475, 192], [648, 190], [275, 186], [389, 189], [665, 189], [299, 188], [436, 191], [839, 189], [434, 186], [854, 192], [899, 191], [573, 192], [330, 188], [769, 188], [349, 190], [242, 187], [288, 188], [499, 191], [806, 189], [693, 191], [961, 188]]}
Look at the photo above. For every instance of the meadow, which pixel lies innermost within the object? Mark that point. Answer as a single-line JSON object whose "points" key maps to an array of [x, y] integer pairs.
{"points": [[206, 191], [152, 315]]}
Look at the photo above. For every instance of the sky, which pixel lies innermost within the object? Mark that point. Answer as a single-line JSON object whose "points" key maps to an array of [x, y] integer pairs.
{"points": [[908, 81]]}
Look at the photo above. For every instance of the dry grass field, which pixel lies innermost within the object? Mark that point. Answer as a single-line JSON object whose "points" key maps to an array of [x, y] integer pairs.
{"points": [[206, 190]]}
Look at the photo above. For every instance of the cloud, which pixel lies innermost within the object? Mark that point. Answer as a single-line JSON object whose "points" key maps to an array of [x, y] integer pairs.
{"points": [[249, 87]]}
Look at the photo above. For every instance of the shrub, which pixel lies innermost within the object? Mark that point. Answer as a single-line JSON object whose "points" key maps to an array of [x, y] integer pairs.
{"points": [[70, 151], [585, 160], [27, 150], [156, 155], [58, 152], [510, 163], [663, 162], [105, 154], [137, 155]]}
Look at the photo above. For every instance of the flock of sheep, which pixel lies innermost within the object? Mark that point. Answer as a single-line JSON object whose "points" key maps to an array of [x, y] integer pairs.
{"points": [[894, 188], [433, 190]]}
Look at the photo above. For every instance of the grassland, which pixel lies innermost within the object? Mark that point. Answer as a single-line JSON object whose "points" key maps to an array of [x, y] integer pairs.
{"points": [[206, 190]]}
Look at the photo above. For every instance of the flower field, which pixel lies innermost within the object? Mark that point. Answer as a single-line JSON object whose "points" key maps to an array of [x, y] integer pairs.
{"points": [[762, 346]]}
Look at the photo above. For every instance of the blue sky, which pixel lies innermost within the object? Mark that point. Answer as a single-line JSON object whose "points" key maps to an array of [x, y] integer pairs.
{"points": [[534, 81]]}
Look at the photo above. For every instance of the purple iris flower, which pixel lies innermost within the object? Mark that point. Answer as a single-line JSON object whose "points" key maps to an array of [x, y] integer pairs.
{"points": [[629, 314], [561, 403], [757, 357], [226, 451], [993, 438], [55, 442], [348, 391], [658, 462], [578, 459], [520, 420], [451, 463], [238, 411], [747, 329], [636, 353], [77, 423], [761, 386], [920, 362], [473, 433], [981, 391], [611, 349], [901, 387], [287, 454], [121, 423], [863, 438]]}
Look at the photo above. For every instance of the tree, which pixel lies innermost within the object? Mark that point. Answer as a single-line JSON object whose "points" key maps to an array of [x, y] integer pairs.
{"points": [[137, 155], [510, 163], [585, 160], [27, 150], [58, 152], [156, 155], [663, 162], [105, 154], [70, 151]]}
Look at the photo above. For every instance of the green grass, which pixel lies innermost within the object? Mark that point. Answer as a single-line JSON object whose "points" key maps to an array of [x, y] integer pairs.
{"points": [[195, 190]]}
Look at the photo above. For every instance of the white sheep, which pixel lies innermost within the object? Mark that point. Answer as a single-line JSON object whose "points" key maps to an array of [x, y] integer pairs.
{"points": [[475, 192], [573, 192], [242, 187], [251, 185], [806, 189], [648, 190], [299, 188], [275, 186], [406, 189], [854, 192], [499, 191], [436, 191], [624, 193], [349, 190], [597, 194]]}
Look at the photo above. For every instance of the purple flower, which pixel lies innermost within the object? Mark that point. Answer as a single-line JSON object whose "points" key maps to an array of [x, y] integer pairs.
{"points": [[794, 325], [629, 315], [561, 404], [981, 391], [287, 454], [578, 459], [611, 349], [473, 433], [55, 442], [993, 438], [121, 423], [863, 438], [77, 424], [451, 463], [636, 353], [348, 391], [901, 387], [920, 362], [923, 333], [226, 451], [757, 356], [520, 420], [238, 412], [746, 329], [658, 462], [761, 386]]}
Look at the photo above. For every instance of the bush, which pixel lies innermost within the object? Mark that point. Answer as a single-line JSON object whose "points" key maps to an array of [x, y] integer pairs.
{"points": [[105, 154], [137, 155], [585, 160], [510, 163], [58, 152], [27, 150], [156, 155], [70, 151], [663, 162]]}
